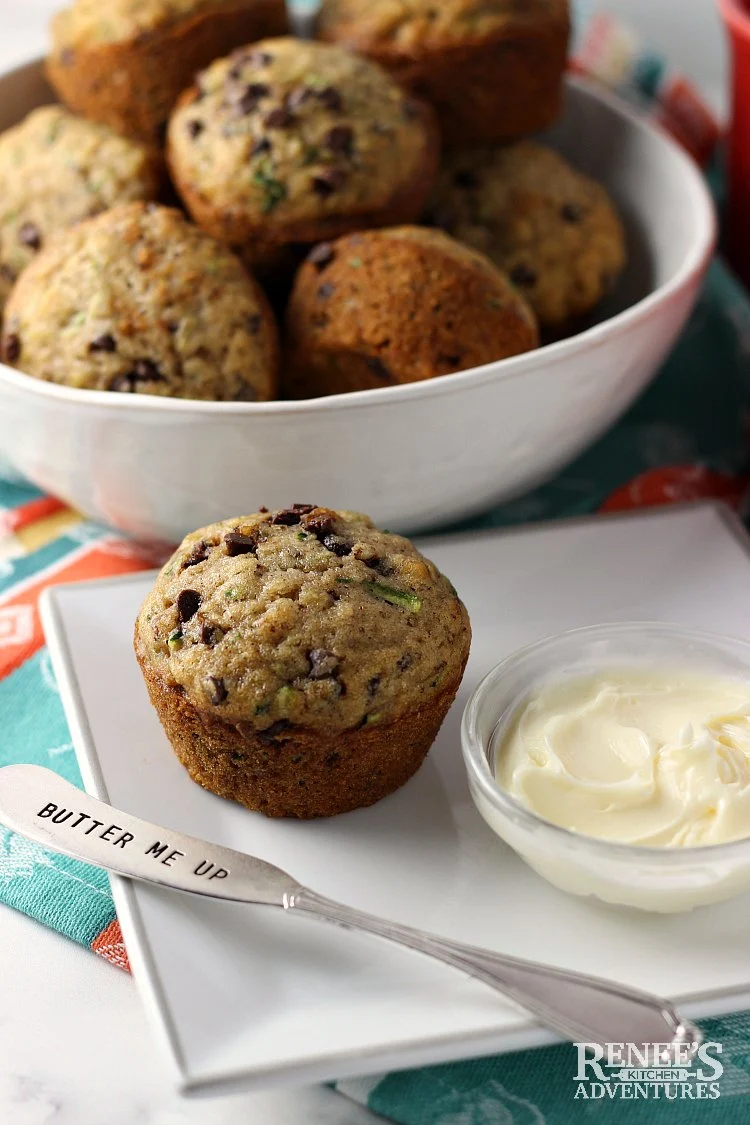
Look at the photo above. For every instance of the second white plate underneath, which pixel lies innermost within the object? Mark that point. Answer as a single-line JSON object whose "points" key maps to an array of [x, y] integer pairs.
{"points": [[248, 995]]}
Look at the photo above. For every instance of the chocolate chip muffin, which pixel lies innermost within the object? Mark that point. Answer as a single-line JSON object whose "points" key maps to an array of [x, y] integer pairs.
{"points": [[301, 661], [493, 69], [138, 300], [398, 306], [125, 62], [555, 231], [290, 142], [56, 169]]}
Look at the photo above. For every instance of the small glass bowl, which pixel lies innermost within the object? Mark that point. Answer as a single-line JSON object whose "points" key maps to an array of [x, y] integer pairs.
{"points": [[648, 878]]}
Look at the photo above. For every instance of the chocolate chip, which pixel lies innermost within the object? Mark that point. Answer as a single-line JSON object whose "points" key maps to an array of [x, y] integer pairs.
{"points": [[340, 139], [373, 686], [12, 347], [298, 96], [254, 323], [320, 525], [30, 235], [333, 758], [381, 129], [322, 255], [449, 360], [104, 343], [188, 604], [217, 690], [325, 290], [210, 635], [571, 212], [259, 58], [263, 508], [195, 128], [336, 545], [331, 98], [67, 56], [238, 544], [236, 70], [275, 729], [279, 118], [404, 662], [465, 179], [328, 181], [287, 517], [304, 509], [410, 109], [523, 275], [262, 144], [378, 368], [322, 664], [246, 103], [144, 371], [7, 273], [198, 554], [259, 90]]}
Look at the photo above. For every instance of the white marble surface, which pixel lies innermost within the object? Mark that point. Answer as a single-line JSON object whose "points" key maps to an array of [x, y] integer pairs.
{"points": [[75, 1048]]}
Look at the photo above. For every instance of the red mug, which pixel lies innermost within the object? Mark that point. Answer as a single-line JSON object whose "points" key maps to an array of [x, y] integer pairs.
{"points": [[736, 15]]}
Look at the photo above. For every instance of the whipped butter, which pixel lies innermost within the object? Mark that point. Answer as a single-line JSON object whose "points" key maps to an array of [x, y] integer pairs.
{"points": [[652, 757]]}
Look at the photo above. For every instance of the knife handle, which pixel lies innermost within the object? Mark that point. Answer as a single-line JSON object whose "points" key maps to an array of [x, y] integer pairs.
{"points": [[582, 1008]]}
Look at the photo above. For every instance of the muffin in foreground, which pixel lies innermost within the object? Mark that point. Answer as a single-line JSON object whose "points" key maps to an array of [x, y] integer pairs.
{"points": [[554, 230], [138, 300], [57, 169], [301, 661], [493, 71], [125, 62], [290, 142], [398, 306]]}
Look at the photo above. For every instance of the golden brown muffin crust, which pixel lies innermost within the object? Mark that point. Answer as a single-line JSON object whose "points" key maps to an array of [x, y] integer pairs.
{"points": [[409, 26], [294, 772], [398, 306], [289, 141], [140, 300], [57, 169], [126, 63], [492, 70], [305, 616], [554, 230]]}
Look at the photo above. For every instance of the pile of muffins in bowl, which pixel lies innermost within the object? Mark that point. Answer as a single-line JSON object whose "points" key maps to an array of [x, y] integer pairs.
{"points": [[223, 213]]}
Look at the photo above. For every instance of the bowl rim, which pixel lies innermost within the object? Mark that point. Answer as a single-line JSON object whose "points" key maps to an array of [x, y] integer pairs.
{"points": [[696, 261], [480, 775]]}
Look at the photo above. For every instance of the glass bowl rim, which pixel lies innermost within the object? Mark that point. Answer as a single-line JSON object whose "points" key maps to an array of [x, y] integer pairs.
{"points": [[479, 773]]}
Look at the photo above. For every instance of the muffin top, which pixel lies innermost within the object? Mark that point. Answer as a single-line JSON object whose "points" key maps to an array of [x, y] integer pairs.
{"points": [[288, 131], [304, 616], [94, 22], [403, 25], [410, 302], [56, 169], [554, 230], [139, 300]]}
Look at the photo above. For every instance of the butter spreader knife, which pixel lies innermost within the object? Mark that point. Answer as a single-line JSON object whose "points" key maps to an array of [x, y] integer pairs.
{"points": [[38, 804]]}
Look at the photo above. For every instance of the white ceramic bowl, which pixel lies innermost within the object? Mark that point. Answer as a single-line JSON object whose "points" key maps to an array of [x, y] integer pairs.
{"points": [[413, 456]]}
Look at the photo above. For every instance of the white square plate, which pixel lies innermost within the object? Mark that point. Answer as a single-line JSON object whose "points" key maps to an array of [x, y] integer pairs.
{"points": [[248, 995]]}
